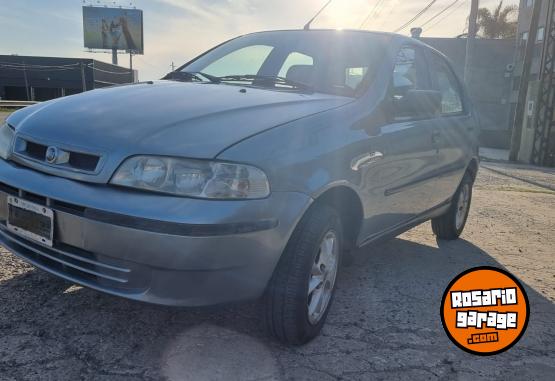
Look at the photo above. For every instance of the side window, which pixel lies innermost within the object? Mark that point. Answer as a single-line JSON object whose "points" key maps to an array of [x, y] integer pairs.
{"points": [[295, 59], [354, 76], [409, 72], [244, 61], [448, 85]]}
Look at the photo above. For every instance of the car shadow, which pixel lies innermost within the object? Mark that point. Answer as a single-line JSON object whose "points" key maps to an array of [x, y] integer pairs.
{"points": [[385, 319]]}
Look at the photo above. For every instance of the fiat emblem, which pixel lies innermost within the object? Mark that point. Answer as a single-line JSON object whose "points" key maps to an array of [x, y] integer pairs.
{"points": [[52, 155]]}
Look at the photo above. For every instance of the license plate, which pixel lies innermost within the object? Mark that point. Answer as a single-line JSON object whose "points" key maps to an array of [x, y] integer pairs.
{"points": [[32, 221]]}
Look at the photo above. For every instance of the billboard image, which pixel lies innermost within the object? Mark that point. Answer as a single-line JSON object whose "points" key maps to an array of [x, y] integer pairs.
{"points": [[113, 28]]}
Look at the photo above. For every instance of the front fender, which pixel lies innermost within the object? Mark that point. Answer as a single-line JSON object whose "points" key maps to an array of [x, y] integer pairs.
{"points": [[310, 155]]}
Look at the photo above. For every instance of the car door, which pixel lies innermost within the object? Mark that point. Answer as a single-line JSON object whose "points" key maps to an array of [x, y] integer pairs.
{"points": [[455, 131], [399, 186]]}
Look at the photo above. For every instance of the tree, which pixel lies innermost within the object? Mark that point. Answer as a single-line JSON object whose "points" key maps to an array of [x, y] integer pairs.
{"points": [[502, 23]]}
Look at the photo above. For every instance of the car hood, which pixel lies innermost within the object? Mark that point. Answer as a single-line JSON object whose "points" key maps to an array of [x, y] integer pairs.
{"points": [[196, 120]]}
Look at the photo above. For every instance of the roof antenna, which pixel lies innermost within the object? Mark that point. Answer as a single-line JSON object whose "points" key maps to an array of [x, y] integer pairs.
{"points": [[307, 26]]}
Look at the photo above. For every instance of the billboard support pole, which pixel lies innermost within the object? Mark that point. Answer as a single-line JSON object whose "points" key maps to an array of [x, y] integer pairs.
{"points": [[114, 56], [131, 66]]}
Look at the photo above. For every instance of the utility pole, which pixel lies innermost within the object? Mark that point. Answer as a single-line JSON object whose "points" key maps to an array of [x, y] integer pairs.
{"points": [[114, 56], [173, 66], [471, 41], [544, 124], [26, 81], [524, 81], [83, 80]]}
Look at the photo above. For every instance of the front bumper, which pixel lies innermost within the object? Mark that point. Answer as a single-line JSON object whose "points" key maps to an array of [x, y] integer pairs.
{"points": [[153, 248]]}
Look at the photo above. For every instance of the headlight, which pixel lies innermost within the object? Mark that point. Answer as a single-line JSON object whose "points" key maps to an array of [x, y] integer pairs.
{"points": [[6, 139], [193, 178]]}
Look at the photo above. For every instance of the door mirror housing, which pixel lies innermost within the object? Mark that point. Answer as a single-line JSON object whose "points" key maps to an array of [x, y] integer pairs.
{"points": [[417, 104]]}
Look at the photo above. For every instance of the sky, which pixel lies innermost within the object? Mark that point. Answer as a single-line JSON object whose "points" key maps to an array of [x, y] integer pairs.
{"points": [[179, 30]]}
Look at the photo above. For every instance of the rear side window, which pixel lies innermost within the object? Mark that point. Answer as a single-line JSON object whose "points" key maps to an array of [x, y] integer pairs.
{"points": [[410, 72], [447, 84]]}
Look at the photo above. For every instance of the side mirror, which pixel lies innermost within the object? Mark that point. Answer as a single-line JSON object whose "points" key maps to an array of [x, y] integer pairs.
{"points": [[417, 104]]}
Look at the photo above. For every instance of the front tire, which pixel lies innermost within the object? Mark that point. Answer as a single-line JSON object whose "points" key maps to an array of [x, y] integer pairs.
{"points": [[451, 225], [301, 290]]}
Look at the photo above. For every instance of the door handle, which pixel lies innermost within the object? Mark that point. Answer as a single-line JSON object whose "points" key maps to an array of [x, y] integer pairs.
{"points": [[365, 160]]}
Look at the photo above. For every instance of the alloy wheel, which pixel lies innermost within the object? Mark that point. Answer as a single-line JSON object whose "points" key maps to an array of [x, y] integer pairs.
{"points": [[322, 277], [463, 203]]}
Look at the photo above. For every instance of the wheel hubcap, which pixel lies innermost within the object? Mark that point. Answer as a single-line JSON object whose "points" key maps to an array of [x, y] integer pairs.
{"points": [[463, 204], [322, 277]]}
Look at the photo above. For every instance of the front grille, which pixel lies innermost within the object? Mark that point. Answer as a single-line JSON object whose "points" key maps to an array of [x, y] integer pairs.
{"points": [[35, 151], [79, 265], [9, 189], [77, 160], [66, 207], [83, 161], [35, 198]]}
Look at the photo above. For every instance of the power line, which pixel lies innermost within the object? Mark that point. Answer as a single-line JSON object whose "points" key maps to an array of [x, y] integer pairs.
{"points": [[24, 68], [372, 13], [17, 64], [51, 68], [416, 17], [439, 13], [146, 62], [157, 67], [393, 5], [446, 16], [36, 68]]}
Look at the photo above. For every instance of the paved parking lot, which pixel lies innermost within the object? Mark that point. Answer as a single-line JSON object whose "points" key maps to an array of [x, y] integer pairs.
{"points": [[384, 323]]}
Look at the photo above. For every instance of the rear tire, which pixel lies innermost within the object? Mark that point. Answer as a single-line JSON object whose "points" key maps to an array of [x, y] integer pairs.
{"points": [[451, 225], [301, 290]]}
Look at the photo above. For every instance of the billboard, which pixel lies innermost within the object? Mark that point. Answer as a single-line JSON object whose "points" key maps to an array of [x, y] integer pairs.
{"points": [[113, 28]]}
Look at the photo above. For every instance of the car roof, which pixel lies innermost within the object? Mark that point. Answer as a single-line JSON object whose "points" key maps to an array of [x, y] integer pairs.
{"points": [[337, 31], [393, 37]]}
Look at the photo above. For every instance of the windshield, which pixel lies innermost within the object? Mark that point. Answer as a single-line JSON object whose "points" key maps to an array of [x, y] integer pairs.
{"points": [[332, 62]]}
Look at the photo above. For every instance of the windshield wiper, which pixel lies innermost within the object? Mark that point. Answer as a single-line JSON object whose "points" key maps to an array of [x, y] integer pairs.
{"points": [[274, 80], [187, 76]]}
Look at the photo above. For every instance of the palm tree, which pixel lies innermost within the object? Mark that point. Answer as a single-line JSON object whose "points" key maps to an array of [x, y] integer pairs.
{"points": [[499, 24]]}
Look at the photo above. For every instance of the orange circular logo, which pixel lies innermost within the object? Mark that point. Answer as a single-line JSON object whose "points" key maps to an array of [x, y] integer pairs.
{"points": [[485, 311]]}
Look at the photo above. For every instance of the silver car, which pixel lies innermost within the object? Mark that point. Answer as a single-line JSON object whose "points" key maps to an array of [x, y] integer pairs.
{"points": [[251, 171]]}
